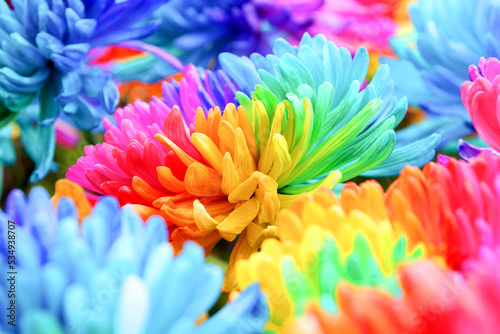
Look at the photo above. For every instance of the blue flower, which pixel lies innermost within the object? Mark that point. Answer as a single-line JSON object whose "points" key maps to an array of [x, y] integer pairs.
{"points": [[111, 274], [197, 31], [317, 64], [43, 50], [451, 35]]}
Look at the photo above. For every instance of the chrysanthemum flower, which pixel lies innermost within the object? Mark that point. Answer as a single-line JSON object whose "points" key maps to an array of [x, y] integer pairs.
{"points": [[481, 98], [432, 75], [230, 173], [197, 31], [112, 273], [317, 67], [450, 206], [43, 68], [435, 301], [320, 245]]}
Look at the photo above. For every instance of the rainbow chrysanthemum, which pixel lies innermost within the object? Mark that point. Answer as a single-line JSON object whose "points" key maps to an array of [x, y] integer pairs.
{"points": [[230, 172], [320, 246], [317, 66], [435, 301]]}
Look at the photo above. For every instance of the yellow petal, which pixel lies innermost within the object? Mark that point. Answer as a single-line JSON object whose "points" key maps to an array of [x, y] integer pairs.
{"points": [[243, 161], [202, 218], [227, 134], [241, 251], [230, 115], [244, 191], [281, 160], [263, 123], [239, 219], [230, 177], [247, 129], [201, 180], [208, 150], [289, 226]]}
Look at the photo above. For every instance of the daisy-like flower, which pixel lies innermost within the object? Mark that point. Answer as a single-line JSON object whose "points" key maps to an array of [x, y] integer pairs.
{"points": [[317, 66], [432, 75], [481, 98], [320, 246], [109, 274], [43, 68], [435, 300]]}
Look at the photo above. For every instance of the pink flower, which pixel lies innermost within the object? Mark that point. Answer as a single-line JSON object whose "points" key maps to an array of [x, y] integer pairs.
{"points": [[352, 23], [481, 98]]}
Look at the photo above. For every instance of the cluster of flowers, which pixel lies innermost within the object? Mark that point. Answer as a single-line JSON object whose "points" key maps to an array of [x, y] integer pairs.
{"points": [[236, 194]]}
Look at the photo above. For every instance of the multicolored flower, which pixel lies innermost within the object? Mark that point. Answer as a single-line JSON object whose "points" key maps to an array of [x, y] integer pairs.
{"points": [[320, 246], [434, 301], [111, 273], [229, 173], [481, 99], [432, 75], [43, 69], [319, 65]]}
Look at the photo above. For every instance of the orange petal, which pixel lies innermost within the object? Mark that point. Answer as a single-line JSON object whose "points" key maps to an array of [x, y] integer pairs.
{"points": [[203, 181], [169, 181], [66, 188]]}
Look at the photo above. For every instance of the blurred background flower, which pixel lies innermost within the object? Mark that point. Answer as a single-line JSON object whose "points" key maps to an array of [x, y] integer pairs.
{"points": [[44, 72], [435, 300], [112, 272], [321, 246], [450, 36], [198, 31]]}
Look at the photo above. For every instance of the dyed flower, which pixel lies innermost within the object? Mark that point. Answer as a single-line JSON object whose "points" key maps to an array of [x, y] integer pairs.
{"points": [[356, 23], [448, 206], [431, 76], [320, 246], [480, 97], [318, 67], [110, 272], [43, 68], [230, 173], [197, 31], [434, 301]]}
